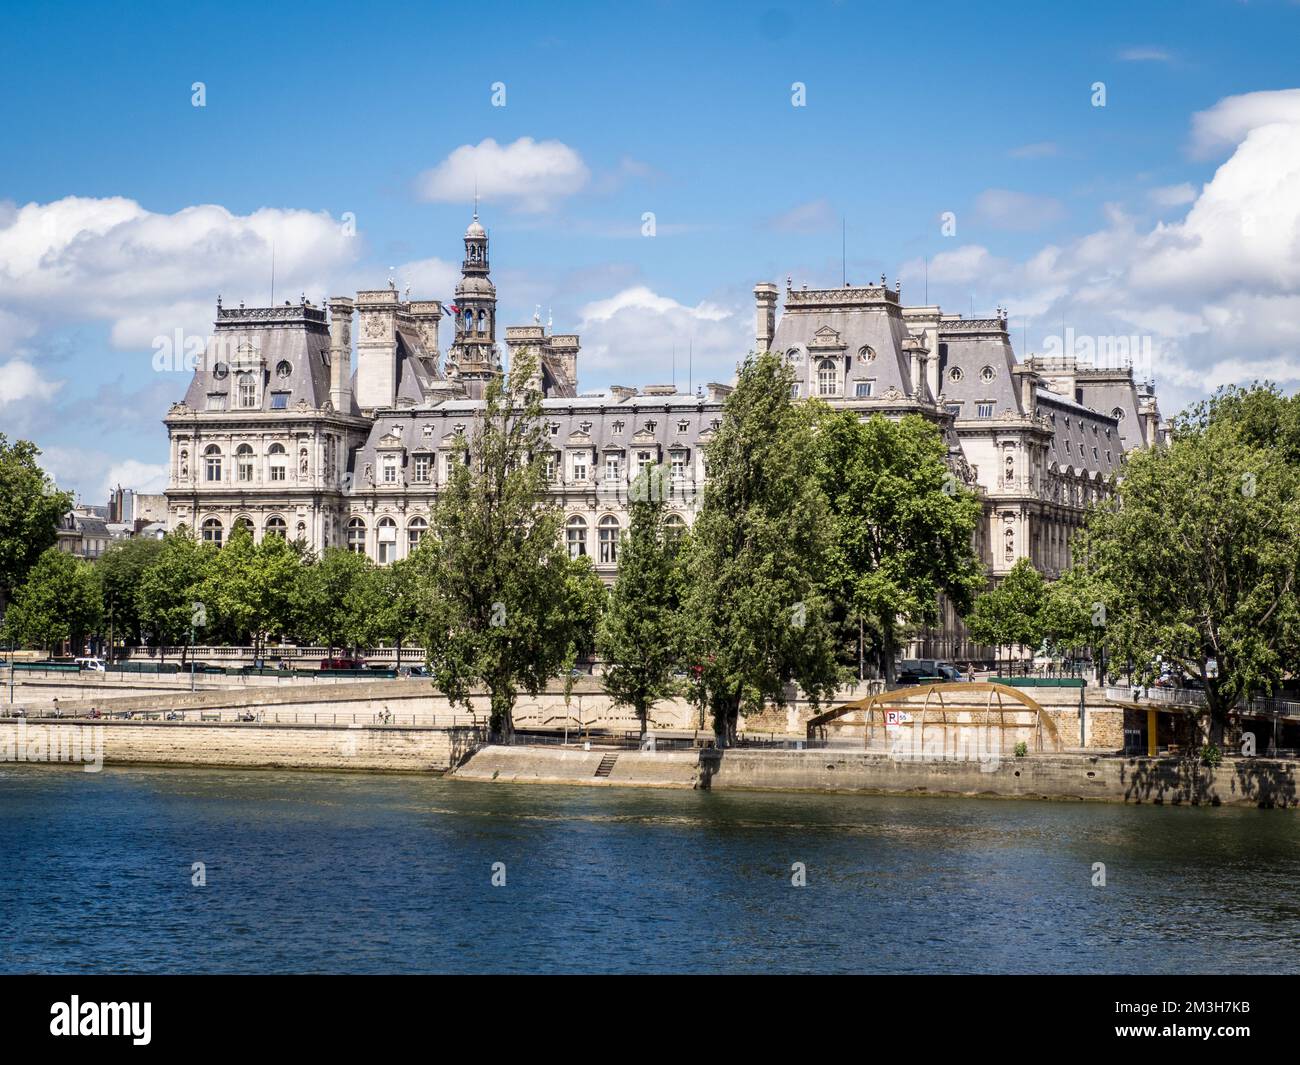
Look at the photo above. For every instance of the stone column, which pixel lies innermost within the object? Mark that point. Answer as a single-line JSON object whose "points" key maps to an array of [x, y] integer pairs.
{"points": [[341, 354]]}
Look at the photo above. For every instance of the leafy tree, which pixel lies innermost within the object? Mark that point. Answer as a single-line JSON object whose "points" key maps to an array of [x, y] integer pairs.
{"points": [[1196, 563], [903, 525], [169, 589], [1262, 414], [637, 637], [322, 595], [60, 600], [1010, 614], [381, 605], [249, 589], [1072, 614], [30, 510], [495, 599], [755, 611], [121, 569]]}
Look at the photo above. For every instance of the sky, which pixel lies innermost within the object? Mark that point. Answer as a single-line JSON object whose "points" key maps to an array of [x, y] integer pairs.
{"points": [[1118, 176]]}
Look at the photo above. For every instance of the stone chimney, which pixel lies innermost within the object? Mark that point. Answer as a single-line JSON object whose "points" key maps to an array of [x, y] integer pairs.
{"points": [[1028, 389], [341, 354], [918, 357], [427, 315], [764, 316]]}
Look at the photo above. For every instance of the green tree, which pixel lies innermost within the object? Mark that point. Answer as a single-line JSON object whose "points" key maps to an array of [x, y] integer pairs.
{"points": [[1010, 614], [1196, 564], [30, 510], [381, 605], [637, 637], [755, 611], [121, 569], [495, 604], [60, 600], [903, 525], [250, 589], [1072, 614], [168, 597], [322, 595]]}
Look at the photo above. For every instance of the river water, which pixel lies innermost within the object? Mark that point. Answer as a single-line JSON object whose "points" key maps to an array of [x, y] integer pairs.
{"points": [[320, 872]]}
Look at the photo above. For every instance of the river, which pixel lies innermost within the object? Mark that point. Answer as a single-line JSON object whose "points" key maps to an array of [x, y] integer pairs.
{"points": [[322, 872]]}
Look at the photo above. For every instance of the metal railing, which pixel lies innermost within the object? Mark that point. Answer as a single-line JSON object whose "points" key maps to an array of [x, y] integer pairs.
{"points": [[1188, 697]]}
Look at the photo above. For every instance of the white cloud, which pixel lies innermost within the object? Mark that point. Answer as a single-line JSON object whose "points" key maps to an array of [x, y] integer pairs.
{"points": [[1229, 121], [630, 338], [532, 176], [1037, 150], [21, 382], [148, 274], [142, 476], [1173, 195], [1007, 209], [816, 216], [1146, 54], [1217, 291]]}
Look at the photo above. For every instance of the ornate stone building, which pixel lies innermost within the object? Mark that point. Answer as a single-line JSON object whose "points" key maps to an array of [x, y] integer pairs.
{"points": [[277, 432]]}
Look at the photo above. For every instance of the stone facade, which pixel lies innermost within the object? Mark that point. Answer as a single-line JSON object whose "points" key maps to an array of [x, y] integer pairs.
{"points": [[278, 433]]}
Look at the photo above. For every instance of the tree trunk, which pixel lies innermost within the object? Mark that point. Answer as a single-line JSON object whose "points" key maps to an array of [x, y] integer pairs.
{"points": [[502, 721], [643, 712]]}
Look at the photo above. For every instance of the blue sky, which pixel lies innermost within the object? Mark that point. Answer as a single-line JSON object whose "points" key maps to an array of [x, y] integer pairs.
{"points": [[1135, 219]]}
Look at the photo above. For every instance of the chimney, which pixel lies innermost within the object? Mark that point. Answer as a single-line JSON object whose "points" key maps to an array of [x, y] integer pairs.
{"points": [[427, 315], [341, 354], [919, 356], [1028, 389], [764, 316]]}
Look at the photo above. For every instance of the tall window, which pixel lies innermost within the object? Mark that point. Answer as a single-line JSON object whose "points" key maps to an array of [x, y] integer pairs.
{"points": [[212, 465], [575, 534], [357, 536], [390, 469], [415, 530], [275, 526], [277, 462], [422, 468], [550, 466], [613, 467], [244, 462], [679, 465], [644, 459], [386, 540], [580, 465], [247, 390], [212, 531], [828, 378], [609, 539]]}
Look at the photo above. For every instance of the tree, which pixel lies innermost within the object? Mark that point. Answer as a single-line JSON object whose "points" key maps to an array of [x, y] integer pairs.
{"points": [[495, 596], [60, 600], [1071, 614], [121, 569], [903, 524], [381, 605], [1196, 564], [249, 589], [168, 598], [755, 611], [637, 633], [322, 595], [1010, 614], [30, 511]]}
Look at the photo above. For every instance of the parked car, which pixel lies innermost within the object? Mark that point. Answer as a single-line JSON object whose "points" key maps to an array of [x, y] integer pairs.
{"points": [[94, 665], [413, 671], [916, 670], [342, 663]]}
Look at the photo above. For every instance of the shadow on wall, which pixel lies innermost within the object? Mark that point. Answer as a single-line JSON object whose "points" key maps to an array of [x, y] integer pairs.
{"points": [[709, 763], [1268, 784]]}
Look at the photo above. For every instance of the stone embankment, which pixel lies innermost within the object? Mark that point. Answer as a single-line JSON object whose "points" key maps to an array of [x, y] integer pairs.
{"points": [[1077, 777]]}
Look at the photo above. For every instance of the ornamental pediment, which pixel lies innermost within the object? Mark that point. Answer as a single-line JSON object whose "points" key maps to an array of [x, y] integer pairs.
{"points": [[389, 442], [578, 438], [825, 339]]}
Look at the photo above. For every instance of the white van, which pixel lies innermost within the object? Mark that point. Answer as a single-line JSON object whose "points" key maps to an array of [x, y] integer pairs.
{"points": [[94, 664]]}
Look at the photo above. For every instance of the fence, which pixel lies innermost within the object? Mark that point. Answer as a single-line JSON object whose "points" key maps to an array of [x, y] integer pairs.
{"points": [[1193, 697]]}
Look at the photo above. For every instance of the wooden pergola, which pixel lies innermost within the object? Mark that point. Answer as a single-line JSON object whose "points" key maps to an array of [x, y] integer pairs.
{"points": [[952, 712]]}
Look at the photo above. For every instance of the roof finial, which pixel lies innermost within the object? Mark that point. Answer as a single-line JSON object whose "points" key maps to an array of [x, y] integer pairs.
{"points": [[475, 197]]}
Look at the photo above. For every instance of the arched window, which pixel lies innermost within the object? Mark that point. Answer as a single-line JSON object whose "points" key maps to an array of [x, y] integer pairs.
{"points": [[828, 378], [244, 462], [386, 540], [415, 530], [575, 533], [212, 531], [243, 522], [277, 462], [247, 390], [609, 539], [357, 536], [275, 526], [212, 464], [482, 321], [674, 527]]}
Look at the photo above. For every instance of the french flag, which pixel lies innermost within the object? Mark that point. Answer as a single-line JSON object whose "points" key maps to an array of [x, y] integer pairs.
{"points": [[453, 308]]}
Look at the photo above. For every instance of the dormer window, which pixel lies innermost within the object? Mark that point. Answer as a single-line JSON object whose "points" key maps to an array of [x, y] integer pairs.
{"points": [[987, 374], [247, 391], [617, 427], [683, 426]]}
